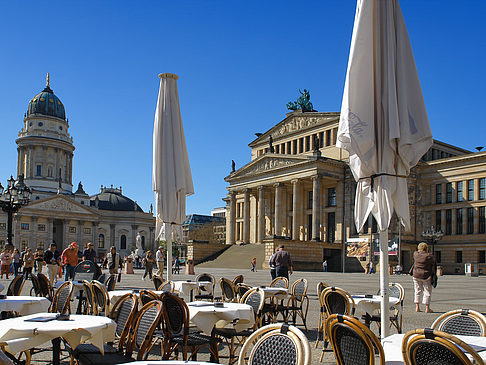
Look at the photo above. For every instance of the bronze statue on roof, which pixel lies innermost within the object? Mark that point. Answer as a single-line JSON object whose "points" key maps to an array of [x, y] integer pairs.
{"points": [[303, 102]]}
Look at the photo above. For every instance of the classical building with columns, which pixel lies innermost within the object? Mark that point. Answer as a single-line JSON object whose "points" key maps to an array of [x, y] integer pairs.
{"points": [[56, 214], [298, 190]]}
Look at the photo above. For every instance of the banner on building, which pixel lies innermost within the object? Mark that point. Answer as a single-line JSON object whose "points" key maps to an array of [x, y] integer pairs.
{"points": [[357, 247], [392, 247]]}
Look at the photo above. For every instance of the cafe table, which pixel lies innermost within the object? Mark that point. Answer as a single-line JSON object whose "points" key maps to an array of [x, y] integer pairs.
{"points": [[187, 287], [371, 303], [274, 292], [392, 347], [24, 333], [206, 316], [24, 305]]}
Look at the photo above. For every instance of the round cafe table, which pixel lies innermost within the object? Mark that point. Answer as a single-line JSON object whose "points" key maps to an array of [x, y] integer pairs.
{"points": [[370, 304], [24, 304], [274, 292], [187, 287]]}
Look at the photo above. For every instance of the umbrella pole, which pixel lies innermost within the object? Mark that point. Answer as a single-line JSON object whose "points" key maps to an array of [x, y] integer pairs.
{"points": [[169, 252], [384, 279]]}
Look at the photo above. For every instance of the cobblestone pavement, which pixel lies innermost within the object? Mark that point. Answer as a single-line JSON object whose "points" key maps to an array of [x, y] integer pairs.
{"points": [[452, 292]]}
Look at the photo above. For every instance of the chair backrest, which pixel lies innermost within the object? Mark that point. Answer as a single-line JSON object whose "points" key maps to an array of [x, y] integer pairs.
{"points": [[428, 346], [238, 279], [276, 343], [167, 287], [61, 301], [228, 290], [397, 291], [36, 286], [280, 282], [45, 286], [335, 300], [146, 296], [242, 288], [86, 270], [320, 287], [206, 277], [256, 299], [352, 342], [123, 313], [157, 281], [299, 290], [461, 322], [176, 316], [101, 298], [110, 282], [16, 285], [144, 327], [102, 278], [90, 308]]}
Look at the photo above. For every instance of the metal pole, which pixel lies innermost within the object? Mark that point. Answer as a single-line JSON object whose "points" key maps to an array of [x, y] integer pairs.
{"points": [[384, 279], [399, 241], [9, 225]]}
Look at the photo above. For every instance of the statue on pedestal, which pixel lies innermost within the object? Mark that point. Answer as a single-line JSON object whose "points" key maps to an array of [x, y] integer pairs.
{"points": [[138, 242]]}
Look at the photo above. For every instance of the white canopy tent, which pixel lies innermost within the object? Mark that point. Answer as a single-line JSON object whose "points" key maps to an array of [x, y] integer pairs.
{"points": [[383, 124], [172, 179]]}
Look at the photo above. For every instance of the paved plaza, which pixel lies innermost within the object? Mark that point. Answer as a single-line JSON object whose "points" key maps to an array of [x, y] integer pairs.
{"points": [[452, 292]]}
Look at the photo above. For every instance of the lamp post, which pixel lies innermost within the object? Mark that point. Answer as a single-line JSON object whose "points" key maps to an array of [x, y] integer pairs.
{"points": [[433, 236], [12, 198]]}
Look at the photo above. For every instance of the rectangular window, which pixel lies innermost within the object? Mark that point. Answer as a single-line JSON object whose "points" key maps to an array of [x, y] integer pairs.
{"points": [[470, 220], [40, 245], [87, 230], [38, 170], [72, 229], [24, 226], [307, 143], [321, 139], [295, 146], [289, 147], [277, 148], [459, 221], [331, 197], [438, 194], [24, 245], [328, 137], [482, 188], [301, 145], [449, 193], [470, 190], [482, 257], [482, 221], [41, 227], [448, 230], [309, 227], [282, 148], [438, 220], [309, 200], [331, 227], [460, 196], [458, 257], [438, 256]]}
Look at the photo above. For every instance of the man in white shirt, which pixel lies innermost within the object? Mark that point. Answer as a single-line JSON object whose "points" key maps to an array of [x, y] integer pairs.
{"points": [[159, 257]]}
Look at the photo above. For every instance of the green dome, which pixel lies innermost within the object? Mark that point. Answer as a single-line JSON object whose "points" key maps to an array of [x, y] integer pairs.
{"points": [[46, 103]]}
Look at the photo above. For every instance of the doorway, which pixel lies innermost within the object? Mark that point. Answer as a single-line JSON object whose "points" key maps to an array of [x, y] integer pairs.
{"points": [[57, 234]]}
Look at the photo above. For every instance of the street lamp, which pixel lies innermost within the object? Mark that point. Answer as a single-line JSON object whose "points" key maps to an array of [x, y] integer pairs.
{"points": [[433, 236], [12, 198]]}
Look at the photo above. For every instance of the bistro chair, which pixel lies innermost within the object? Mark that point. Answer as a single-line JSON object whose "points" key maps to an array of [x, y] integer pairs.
{"points": [[176, 331], [280, 282], [228, 290], [233, 338], [157, 280], [89, 306], [320, 287], [86, 270], [276, 343], [352, 342], [16, 285], [166, 287], [396, 312], [35, 290], [146, 296], [6, 358], [101, 298], [45, 286], [204, 292], [241, 289], [465, 322], [427, 346], [298, 303], [61, 301], [110, 282], [239, 279]]}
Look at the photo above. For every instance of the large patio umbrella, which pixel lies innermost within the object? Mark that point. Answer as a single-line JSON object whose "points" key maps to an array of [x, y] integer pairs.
{"points": [[383, 124], [172, 179]]}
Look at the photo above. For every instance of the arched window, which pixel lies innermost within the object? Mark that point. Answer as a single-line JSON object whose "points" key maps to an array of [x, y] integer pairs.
{"points": [[101, 240], [123, 242]]}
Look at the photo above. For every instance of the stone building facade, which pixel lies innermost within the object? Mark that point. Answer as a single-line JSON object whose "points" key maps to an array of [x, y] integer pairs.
{"points": [[298, 189], [56, 214]]}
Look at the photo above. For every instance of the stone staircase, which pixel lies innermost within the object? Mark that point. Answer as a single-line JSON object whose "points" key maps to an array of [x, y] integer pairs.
{"points": [[238, 257]]}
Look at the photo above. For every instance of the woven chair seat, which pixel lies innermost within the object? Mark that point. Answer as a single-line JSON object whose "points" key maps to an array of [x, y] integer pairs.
{"points": [[195, 339], [107, 359], [231, 332], [88, 348]]}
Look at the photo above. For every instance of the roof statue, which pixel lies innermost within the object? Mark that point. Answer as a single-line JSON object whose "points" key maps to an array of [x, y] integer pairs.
{"points": [[302, 102], [270, 140], [233, 166]]}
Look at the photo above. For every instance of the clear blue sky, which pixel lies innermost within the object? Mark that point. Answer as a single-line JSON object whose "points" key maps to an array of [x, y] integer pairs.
{"points": [[239, 63]]}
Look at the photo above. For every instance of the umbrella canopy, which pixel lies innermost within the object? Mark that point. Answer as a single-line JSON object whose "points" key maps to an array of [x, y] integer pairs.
{"points": [[383, 124], [172, 179]]}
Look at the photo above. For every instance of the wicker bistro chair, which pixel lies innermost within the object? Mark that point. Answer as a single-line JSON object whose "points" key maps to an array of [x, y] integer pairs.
{"points": [[205, 293], [228, 290], [239, 279], [428, 346], [110, 282], [166, 287], [157, 281], [176, 331], [241, 289], [101, 298], [146, 296], [320, 287], [61, 301], [16, 285], [276, 343], [45, 286], [280, 282], [333, 300], [298, 303], [461, 322], [89, 306], [397, 291], [35, 290], [353, 343], [234, 339]]}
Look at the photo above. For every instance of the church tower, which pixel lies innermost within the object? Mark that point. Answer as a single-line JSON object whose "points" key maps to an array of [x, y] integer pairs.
{"points": [[45, 148]]}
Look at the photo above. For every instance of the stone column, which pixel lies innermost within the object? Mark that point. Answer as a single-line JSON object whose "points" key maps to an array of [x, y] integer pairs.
{"points": [[261, 214], [94, 232], [231, 227], [34, 233], [295, 209], [246, 216], [454, 219], [316, 205], [112, 236], [278, 208], [80, 235], [134, 235]]}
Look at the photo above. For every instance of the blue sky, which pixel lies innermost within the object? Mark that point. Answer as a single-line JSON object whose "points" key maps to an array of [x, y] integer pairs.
{"points": [[239, 63]]}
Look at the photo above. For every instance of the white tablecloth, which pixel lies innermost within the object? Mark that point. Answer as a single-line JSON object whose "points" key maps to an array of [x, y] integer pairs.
{"points": [[369, 305], [270, 292], [21, 335], [24, 304], [205, 315], [186, 287], [392, 345], [115, 295]]}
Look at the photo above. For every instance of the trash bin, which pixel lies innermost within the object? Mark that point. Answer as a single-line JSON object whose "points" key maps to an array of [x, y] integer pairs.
{"points": [[189, 267]]}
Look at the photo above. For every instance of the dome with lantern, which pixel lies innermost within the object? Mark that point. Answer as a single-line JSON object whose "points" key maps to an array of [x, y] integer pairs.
{"points": [[46, 103]]}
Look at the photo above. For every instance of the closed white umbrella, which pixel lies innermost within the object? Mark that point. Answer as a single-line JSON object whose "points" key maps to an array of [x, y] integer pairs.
{"points": [[172, 179], [383, 124]]}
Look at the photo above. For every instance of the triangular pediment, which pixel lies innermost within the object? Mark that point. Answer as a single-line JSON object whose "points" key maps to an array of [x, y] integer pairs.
{"points": [[266, 163], [59, 203]]}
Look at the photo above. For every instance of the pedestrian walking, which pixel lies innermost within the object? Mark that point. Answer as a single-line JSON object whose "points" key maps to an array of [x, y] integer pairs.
{"points": [[324, 266], [273, 271], [16, 261], [253, 264], [38, 260], [52, 259], [113, 260], [283, 263], [422, 272], [69, 259], [159, 257], [28, 263], [89, 253], [148, 262], [5, 262]]}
